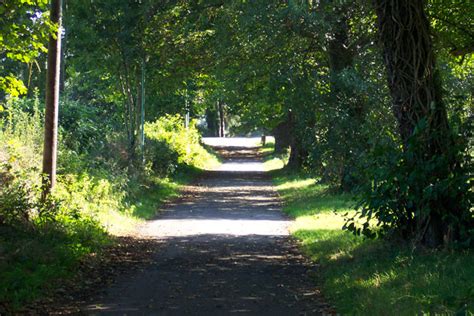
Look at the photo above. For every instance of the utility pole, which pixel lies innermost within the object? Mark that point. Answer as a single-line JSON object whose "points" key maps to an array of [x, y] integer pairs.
{"points": [[50, 149]]}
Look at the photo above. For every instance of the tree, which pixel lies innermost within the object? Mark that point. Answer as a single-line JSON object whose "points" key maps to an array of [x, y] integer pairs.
{"points": [[418, 106], [52, 100], [24, 29]]}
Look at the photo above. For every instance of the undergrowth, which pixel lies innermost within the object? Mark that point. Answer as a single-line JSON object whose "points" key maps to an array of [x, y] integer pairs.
{"points": [[98, 194]]}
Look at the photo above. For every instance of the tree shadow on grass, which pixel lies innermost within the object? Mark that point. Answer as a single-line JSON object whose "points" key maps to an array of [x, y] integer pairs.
{"points": [[304, 196], [376, 277], [34, 258]]}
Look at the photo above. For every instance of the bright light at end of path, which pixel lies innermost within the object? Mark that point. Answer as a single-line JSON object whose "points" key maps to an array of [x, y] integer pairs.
{"points": [[192, 227], [248, 142]]}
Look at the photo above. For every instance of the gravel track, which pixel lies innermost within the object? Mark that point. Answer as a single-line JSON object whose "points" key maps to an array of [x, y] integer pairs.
{"points": [[225, 249]]}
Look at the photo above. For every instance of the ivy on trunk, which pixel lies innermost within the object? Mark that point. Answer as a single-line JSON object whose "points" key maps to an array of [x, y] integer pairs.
{"points": [[421, 115]]}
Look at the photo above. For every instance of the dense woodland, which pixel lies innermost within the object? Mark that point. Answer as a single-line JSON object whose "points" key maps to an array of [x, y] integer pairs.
{"points": [[372, 98]]}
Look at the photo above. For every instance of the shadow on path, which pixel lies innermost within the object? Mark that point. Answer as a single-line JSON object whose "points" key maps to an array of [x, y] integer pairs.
{"points": [[225, 250]]}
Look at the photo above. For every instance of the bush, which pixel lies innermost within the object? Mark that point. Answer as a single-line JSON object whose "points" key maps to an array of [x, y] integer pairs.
{"points": [[82, 126], [170, 144], [15, 201], [408, 191]]}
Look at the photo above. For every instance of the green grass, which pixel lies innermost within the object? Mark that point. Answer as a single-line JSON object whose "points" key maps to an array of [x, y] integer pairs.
{"points": [[372, 277], [269, 145], [272, 161], [142, 203], [156, 191], [32, 260]]}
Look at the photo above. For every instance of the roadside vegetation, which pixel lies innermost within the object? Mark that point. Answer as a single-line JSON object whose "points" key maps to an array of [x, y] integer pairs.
{"points": [[364, 276], [98, 195]]}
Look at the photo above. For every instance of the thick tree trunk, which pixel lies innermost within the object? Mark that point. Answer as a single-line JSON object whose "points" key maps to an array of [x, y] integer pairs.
{"points": [[408, 54], [52, 101], [282, 136], [298, 153], [416, 96], [211, 121]]}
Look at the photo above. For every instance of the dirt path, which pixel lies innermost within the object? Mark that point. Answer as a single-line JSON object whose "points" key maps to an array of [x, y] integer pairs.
{"points": [[225, 250]]}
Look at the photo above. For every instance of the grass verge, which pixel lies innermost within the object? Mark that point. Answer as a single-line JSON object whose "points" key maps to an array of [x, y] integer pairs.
{"points": [[371, 277]]}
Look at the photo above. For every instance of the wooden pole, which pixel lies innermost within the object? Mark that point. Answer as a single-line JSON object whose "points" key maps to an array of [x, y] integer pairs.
{"points": [[52, 101]]}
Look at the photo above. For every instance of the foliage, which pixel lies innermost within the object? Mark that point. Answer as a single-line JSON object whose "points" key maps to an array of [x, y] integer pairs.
{"points": [[15, 201], [401, 192], [81, 125], [170, 143], [310, 71], [24, 30]]}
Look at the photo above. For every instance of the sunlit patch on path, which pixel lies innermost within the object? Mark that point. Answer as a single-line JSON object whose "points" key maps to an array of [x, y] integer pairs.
{"points": [[225, 250], [248, 142], [233, 227], [233, 200]]}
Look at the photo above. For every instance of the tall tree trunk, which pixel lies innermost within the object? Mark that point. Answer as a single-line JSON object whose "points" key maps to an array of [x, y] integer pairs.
{"points": [[220, 108], [295, 161], [297, 152], [416, 96], [52, 101], [132, 106], [127, 108], [142, 111], [282, 136], [211, 120]]}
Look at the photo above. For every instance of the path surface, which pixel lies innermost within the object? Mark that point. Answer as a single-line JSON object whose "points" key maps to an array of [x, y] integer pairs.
{"points": [[226, 250]]}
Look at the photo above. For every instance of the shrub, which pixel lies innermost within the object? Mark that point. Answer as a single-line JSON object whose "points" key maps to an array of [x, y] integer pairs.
{"points": [[15, 201], [170, 144], [408, 191]]}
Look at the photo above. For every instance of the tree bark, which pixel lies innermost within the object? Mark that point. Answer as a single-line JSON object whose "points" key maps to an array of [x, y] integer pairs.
{"points": [[211, 120], [52, 101], [282, 136], [132, 108], [297, 152], [416, 95], [295, 161]]}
